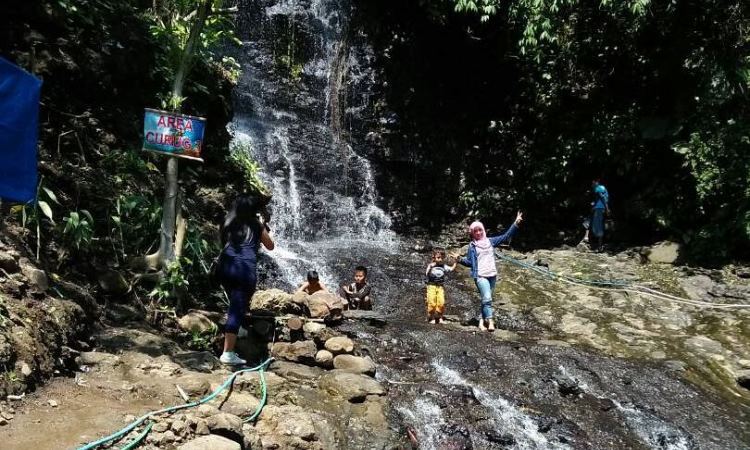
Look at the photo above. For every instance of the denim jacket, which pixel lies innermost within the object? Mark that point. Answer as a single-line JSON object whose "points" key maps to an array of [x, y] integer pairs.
{"points": [[470, 260]]}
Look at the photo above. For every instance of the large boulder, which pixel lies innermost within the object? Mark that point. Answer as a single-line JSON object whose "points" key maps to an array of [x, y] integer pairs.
{"points": [[354, 364], [300, 351], [194, 385], [8, 262], [324, 358], [237, 403], [313, 329], [37, 278], [300, 298], [318, 308], [275, 300], [225, 423], [351, 386], [663, 253], [296, 372], [112, 282], [289, 426], [212, 442], [325, 305], [339, 344], [196, 322]]}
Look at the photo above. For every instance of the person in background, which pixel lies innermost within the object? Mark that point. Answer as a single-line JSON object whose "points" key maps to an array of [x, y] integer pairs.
{"points": [[357, 294], [599, 210], [242, 233], [481, 259], [313, 284], [436, 273]]}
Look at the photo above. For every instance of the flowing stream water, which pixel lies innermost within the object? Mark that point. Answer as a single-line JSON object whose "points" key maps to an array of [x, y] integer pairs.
{"points": [[450, 386]]}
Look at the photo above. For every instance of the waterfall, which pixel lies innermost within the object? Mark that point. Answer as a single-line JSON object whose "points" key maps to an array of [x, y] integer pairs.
{"points": [[292, 119]]}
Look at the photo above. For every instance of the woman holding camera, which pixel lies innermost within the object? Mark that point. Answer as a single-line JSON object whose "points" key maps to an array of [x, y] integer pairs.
{"points": [[242, 233]]}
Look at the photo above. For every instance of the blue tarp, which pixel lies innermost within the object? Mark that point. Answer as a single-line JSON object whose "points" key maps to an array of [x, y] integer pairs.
{"points": [[19, 120]]}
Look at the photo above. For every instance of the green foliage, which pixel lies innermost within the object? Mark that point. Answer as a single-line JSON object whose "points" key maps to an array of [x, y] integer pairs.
{"points": [[651, 96], [240, 156], [11, 377], [135, 217], [719, 160], [230, 68], [127, 164], [171, 102], [203, 341], [547, 22], [79, 228], [199, 250], [32, 213], [172, 21], [293, 68], [174, 280]]}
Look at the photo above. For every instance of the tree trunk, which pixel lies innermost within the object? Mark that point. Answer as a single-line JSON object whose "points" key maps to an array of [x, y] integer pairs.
{"points": [[166, 252]]}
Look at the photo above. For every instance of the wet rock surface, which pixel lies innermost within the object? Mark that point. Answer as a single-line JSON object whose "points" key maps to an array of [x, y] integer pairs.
{"points": [[574, 367]]}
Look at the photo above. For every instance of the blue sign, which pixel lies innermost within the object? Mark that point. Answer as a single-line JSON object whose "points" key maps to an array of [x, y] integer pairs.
{"points": [[174, 134]]}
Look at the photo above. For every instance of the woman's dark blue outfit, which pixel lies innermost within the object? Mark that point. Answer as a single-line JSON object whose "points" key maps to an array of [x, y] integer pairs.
{"points": [[237, 272]]}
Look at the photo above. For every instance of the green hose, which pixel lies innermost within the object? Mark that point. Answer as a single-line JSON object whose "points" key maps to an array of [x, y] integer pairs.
{"points": [[118, 435], [135, 442]]}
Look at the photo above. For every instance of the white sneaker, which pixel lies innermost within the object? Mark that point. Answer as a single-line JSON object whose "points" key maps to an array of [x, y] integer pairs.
{"points": [[241, 333], [232, 359]]}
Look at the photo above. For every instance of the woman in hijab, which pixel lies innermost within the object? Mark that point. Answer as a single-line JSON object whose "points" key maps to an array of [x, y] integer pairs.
{"points": [[481, 259], [241, 233]]}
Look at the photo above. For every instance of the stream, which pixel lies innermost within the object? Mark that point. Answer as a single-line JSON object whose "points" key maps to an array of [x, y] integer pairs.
{"points": [[525, 386]]}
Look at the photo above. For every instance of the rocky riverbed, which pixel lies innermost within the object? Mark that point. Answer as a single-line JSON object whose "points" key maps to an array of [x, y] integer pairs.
{"points": [[571, 367]]}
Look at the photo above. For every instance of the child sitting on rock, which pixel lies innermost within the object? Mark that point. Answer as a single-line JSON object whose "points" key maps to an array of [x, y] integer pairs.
{"points": [[312, 285], [436, 274], [357, 294]]}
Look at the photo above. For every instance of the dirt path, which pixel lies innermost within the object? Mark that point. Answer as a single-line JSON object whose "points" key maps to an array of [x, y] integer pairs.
{"points": [[83, 414], [134, 370], [114, 388]]}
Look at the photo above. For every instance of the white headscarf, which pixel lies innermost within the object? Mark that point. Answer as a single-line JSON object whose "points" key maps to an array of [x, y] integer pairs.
{"points": [[482, 243]]}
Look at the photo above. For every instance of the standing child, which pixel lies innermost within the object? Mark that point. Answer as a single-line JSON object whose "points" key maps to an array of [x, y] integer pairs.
{"points": [[357, 294], [313, 284], [436, 273]]}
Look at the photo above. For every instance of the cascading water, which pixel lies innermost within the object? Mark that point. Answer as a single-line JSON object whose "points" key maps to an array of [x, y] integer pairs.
{"points": [[508, 416], [291, 114], [301, 112]]}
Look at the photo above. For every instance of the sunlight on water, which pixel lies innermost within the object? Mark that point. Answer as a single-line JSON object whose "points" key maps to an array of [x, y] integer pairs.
{"points": [[427, 418], [653, 431], [510, 419], [649, 428]]}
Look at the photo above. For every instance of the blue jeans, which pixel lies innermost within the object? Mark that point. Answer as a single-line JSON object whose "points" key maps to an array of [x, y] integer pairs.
{"points": [[597, 223], [486, 285]]}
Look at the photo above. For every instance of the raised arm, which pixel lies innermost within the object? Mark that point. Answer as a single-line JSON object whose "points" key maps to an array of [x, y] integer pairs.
{"points": [[497, 240], [265, 238]]}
